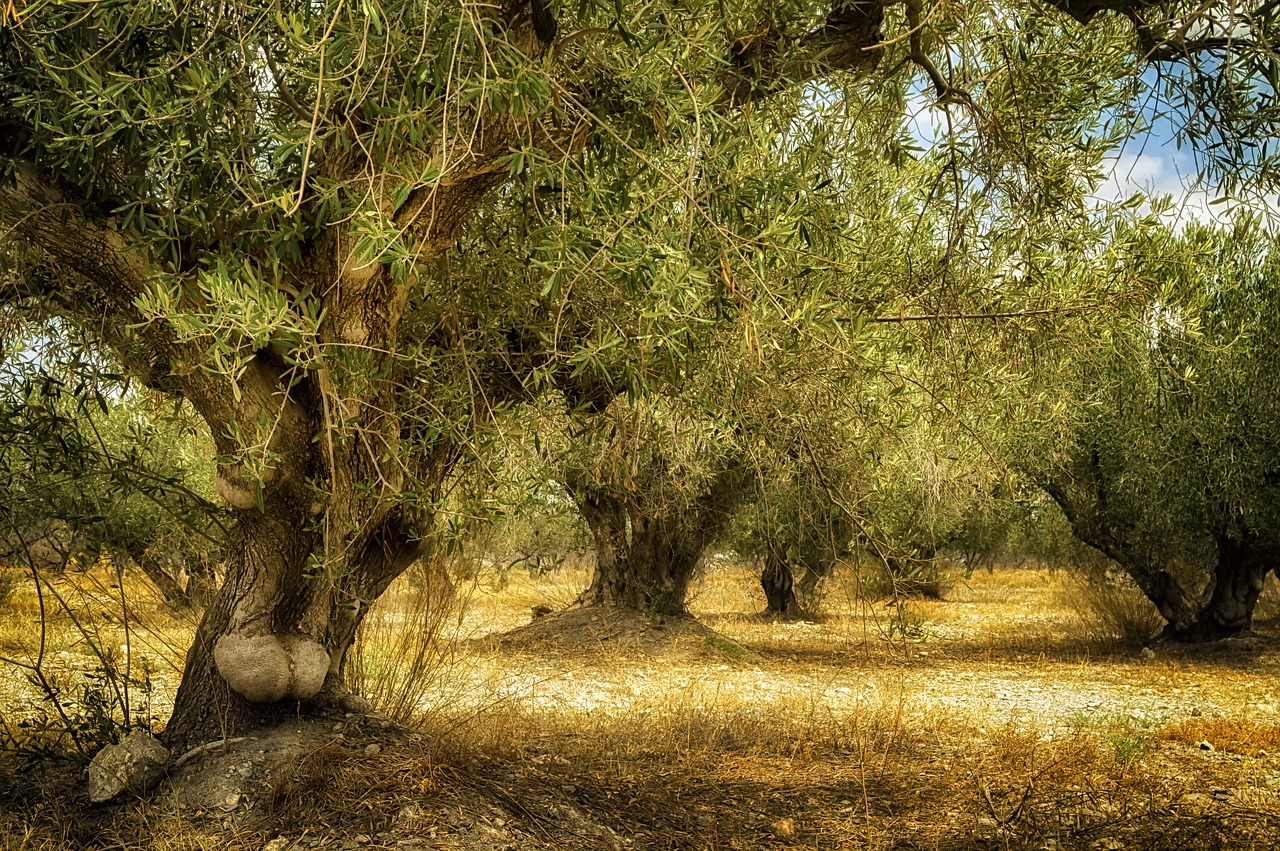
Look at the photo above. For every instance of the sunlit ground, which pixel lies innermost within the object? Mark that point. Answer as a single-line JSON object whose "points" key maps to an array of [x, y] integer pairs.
{"points": [[1003, 715]]}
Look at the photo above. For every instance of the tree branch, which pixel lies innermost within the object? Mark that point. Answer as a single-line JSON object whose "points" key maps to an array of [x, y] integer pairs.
{"points": [[761, 63]]}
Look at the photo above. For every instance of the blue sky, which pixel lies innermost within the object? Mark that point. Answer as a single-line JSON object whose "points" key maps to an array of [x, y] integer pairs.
{"points": [[1149, 162]]}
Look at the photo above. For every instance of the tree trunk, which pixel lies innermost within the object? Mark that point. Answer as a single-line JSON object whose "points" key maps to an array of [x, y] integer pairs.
{"points": [[274, 639], [778, 585], [642, 562], [647, 562], [259, 605], [1225, 609]]}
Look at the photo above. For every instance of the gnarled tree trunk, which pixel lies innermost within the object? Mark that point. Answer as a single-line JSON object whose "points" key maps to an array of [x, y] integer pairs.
{"points": [[646, 561], [778, 585], [1223, 609]]}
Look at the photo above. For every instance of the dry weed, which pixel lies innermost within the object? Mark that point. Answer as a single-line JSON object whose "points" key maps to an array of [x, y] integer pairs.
{"points": [[406, 642], [1231, 734], [1110, 609]]}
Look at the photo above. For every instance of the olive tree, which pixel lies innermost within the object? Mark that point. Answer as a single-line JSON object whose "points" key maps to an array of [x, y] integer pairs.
{"points": [[1167, 462], [253, 206], [91, 466]]}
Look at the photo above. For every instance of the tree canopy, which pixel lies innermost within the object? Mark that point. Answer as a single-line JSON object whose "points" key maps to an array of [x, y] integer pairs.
{"points": [[348, 234]]}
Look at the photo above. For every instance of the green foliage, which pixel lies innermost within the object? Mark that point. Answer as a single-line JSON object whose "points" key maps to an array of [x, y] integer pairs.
{"points": [[1164, 452], [91, 465], [79, 714], [356, 237]]}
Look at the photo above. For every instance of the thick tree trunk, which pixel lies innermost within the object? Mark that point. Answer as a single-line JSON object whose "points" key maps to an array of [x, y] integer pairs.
{"points": [[641, 563], [778, 585], [262, 598], [647, 562], [1222, 610], [274, 640], [1225, 609]]}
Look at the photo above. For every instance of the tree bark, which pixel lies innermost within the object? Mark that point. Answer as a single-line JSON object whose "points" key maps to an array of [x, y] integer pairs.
{"points": [[1225, 609], [778, 585], [275, 637], [643, 563], [265, 595], [646, 560]]}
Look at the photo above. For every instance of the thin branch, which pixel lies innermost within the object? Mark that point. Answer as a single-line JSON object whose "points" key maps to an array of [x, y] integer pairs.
{"points": [[968, 317]]}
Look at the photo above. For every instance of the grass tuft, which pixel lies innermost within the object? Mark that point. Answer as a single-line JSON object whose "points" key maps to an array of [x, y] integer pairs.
{"points": [[1111, 610], [1231, 734]]}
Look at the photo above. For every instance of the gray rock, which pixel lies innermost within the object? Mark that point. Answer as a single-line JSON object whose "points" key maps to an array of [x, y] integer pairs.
{"points": [[408, 814], [135, 765]]}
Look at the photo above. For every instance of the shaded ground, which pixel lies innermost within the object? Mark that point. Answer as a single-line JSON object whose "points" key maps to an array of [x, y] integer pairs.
{"points": [[994, 720]]}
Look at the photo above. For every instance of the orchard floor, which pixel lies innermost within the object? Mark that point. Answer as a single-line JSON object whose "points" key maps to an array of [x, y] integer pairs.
{"points": [[997, 718]]}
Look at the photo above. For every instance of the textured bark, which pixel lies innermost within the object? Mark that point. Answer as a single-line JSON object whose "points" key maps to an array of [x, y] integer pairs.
{"points": [[1226, 607], [778, 585], [641, 562], [647, 562], [266, 557]]}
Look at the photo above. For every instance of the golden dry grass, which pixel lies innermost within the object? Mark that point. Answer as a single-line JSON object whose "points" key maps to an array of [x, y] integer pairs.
{"points": [[1232, 734], [991, 719]]}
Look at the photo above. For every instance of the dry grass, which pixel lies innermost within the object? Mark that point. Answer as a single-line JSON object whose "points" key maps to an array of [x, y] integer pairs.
{"points": [[404, 646], [1111, 609], [1233, 734], [993, 719], [85, 653]]}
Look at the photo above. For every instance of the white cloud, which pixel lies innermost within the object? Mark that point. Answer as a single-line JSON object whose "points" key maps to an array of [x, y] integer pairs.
{"points": [[1165, 171]]}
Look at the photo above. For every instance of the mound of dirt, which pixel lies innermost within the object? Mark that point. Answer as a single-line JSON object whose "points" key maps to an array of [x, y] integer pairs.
{"points": [[591, 630]]}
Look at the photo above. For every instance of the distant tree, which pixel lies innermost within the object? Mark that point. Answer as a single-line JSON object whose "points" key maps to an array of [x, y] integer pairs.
{"points": [[800, 530], [91, 467], [1168, 459], [660, 488]]}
